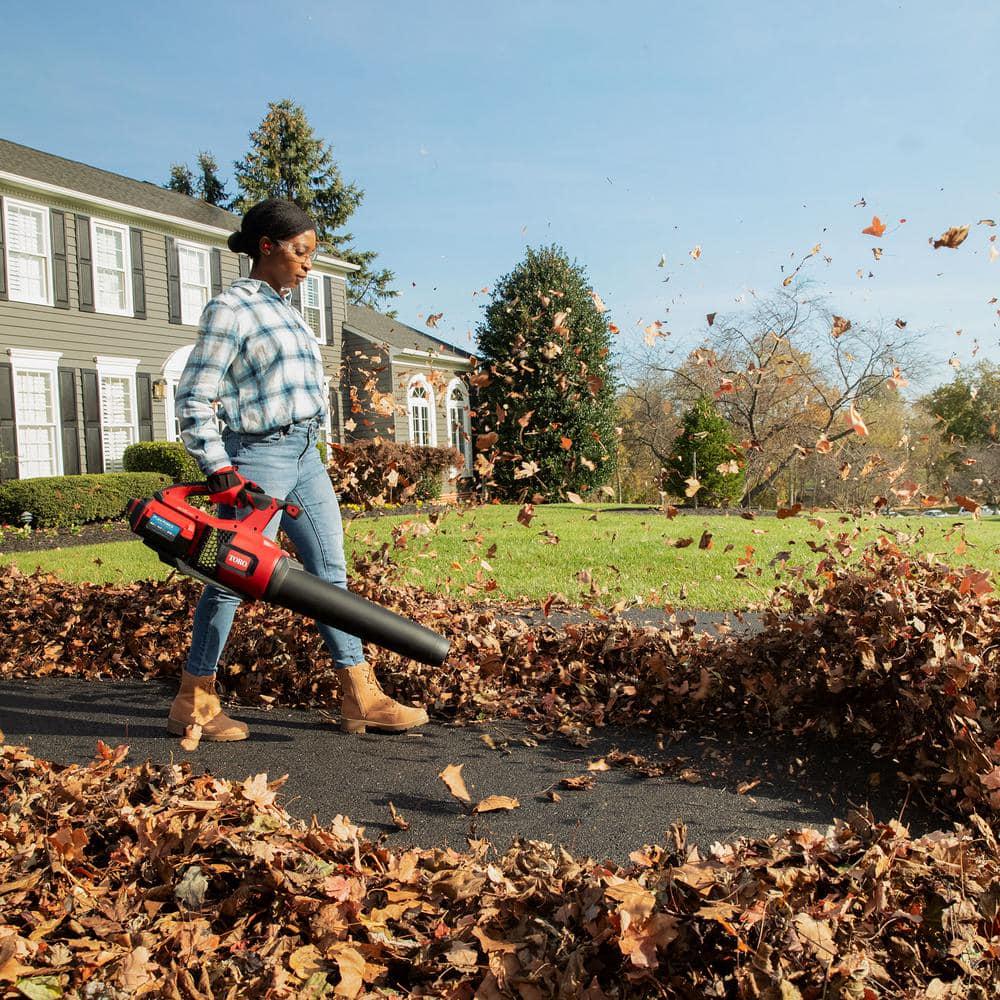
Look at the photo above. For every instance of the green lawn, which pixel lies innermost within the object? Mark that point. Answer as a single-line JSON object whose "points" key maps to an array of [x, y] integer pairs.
{"points": [[627, 555]]}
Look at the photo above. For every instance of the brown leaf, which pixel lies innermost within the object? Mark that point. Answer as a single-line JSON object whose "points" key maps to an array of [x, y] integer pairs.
{"points": [[951, 238], [452, 777], [494, 803]]}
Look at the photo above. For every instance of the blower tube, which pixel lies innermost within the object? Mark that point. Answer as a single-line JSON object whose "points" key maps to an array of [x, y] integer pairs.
{"points": [[293, 588]]}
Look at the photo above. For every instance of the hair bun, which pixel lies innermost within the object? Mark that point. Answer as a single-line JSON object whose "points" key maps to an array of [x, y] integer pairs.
{"points": [[236, 242]]}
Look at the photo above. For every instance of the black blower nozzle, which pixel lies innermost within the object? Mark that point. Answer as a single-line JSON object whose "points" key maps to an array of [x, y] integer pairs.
{"points": [[293, 588]]}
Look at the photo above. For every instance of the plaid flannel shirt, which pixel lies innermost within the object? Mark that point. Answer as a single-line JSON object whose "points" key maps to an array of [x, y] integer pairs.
{"points": [[258, 360]]}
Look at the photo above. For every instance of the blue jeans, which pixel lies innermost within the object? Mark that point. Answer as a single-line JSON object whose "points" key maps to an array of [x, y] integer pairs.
{"points": [[285, 464]]}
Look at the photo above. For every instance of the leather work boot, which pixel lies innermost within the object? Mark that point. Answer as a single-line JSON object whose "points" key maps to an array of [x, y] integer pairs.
{"points": [[366, 706], [197, 702]]}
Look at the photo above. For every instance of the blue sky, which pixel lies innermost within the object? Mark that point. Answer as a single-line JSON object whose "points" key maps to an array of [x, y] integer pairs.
{"points": [[622, 132]]}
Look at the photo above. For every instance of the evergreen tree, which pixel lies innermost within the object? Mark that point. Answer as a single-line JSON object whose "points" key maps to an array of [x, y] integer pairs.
{"points": [[546, 404], [705, 443], [287, 160], [206, 185], [181, 179], [210, 188]]}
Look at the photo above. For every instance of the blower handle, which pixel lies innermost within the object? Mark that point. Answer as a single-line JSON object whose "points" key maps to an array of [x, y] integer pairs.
{"points": [[248, 494]]}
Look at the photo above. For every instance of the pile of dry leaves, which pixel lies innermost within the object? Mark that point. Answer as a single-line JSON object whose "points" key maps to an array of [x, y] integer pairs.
{"points": [[120, 881], [894, 650]]}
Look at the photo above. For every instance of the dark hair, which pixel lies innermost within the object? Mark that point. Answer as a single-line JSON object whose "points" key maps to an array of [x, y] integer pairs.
{"points": [[277, 218]]}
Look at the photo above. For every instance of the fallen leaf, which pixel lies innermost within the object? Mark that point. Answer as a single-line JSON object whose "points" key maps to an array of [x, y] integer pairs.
{"points": [[452, 777], [495, 803]]}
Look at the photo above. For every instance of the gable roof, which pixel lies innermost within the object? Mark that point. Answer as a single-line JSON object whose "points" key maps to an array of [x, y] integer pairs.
{"points": [[386, 330], [36, 165]]}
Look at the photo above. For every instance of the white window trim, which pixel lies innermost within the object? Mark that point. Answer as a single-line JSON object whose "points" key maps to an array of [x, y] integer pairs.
{"points": [[172, 369], [465, 444], [207, 251], [109, 367], [420, 380], [321, 337], [8, 203], [129, 309], [47, 361]]}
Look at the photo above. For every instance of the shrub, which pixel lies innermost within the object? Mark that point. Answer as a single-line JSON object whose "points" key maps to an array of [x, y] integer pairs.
{"points": [[63, 501], [169, 457], [374, 473]]}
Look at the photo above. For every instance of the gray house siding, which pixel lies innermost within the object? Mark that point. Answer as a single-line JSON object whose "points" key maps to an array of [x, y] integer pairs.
{"points": [[81, 334], [364, 361]]}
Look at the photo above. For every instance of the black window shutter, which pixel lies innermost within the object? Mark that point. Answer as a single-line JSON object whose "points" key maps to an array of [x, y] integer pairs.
{"points": [[8, 431], [60, 278], [138, 274], [70, 422], [93, 439], [144, 404], [3, 258], [84, 263], [297, 297], [244, 266], [173, 282], [216, 272], [328, 305]]}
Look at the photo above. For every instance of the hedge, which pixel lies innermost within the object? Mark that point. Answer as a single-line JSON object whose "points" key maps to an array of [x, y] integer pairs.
{"points": [[374, 473], [64, 501], [169, 457]]}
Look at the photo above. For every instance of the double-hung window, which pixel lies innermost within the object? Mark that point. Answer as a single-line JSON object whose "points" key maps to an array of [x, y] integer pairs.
{"points": [[112, 268], [312, 306], [119, 414], [36, 412], [29, 252], [196, 280]]}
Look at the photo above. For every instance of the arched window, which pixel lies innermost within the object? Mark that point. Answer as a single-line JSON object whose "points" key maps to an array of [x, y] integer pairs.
{"points": [[459, 425], [420, 406]]}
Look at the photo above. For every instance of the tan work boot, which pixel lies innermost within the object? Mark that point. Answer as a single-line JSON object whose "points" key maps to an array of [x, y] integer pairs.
{"points": [[197, 702], [366, 706]]}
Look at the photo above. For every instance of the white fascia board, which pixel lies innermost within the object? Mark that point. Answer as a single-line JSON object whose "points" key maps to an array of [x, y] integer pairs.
{"points": [[43, 187]]}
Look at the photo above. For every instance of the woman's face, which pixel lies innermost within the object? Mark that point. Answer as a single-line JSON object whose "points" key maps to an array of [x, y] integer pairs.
{"points": [[288, 262]]}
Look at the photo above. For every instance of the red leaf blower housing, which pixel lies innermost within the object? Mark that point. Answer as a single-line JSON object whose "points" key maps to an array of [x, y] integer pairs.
{"points": [[237, 556]]}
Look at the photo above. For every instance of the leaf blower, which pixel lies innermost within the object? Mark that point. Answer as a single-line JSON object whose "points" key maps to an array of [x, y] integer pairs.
{"points": [[238, 557]]}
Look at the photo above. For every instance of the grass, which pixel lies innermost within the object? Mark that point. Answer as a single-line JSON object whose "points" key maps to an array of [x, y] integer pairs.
{"points": [[577, 550]]}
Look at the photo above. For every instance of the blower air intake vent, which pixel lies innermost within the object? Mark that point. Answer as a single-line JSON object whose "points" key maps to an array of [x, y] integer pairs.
{"points": [[206, 558]]}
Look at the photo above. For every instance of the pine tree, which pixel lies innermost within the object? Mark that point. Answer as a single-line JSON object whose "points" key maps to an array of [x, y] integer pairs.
{"points": [[546, 404], [705, 443], [206, 185], [210, 188], [287, 160], [181, 179]]}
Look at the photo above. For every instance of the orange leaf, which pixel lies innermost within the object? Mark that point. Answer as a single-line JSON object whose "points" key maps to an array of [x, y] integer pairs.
{"points": [[877, 228], [565, 443], [857, 424]]}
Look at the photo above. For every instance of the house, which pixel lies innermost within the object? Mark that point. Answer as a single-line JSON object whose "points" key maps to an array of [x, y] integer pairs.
{"points": [[102, 283]]}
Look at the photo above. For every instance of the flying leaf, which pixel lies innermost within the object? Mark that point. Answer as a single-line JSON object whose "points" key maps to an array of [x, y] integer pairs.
{"points": [[856, 423], [823, 445], [951, 238], [573, 497], [877, 228], [840, 326], [565, 443], [711, 318], [784, 512], [432, 320], [452, 777], [397, 819], [525, 514], [705, 542], [695, 253], [692, 486], [901, 323], [598, 302], [896, 380]]}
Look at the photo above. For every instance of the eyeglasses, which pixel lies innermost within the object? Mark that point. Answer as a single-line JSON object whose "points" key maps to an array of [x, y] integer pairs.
{"points": [[299, 251]]}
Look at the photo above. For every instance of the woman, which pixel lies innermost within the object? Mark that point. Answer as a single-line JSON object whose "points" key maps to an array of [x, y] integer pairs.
{"points": [[258, 365]]}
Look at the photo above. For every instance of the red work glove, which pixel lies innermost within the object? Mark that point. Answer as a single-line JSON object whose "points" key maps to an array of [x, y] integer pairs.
{"points": [[224, 479]]}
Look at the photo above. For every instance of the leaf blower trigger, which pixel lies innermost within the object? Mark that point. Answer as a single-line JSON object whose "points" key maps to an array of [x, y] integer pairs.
{"points": [[238, 557]]}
